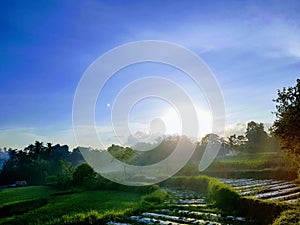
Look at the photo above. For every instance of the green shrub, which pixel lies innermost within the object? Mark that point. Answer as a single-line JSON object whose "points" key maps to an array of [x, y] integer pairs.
{"points": [[222, 196], [198, 183], [155, 198], [288, 217], [261, 210], [83, 175], [63, 179]]}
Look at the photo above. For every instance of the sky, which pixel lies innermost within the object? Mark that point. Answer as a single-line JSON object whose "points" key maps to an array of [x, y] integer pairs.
{"points": [[252, 48]]}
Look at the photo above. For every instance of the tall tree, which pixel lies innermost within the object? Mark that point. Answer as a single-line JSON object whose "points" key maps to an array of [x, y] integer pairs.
{"points": [[213, 139], [235, 142], [287, 123], [83, 173], [257, 137], [124, 154]]}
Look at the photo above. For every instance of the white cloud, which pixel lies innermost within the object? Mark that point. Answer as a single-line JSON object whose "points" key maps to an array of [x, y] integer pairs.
{"points": [[268, 35], [236, 128]]}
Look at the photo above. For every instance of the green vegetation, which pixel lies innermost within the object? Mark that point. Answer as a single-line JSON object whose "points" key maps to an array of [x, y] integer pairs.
{"points": [[218, 194], [95, 217], [286, 125], [21, 207], [56, 206], [83, 175], [223, 197], [76, 194], [45, 205], [248, 161], [266, 165], [92, 217], [13, 195], [38, 164], [288, 217], [154, 199]]}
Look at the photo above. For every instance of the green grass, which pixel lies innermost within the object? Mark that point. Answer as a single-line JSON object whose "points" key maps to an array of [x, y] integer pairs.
{"points": [[268, 165], [13, 195], [251, 161], [149, 201], [64, 205], [92, 217]]}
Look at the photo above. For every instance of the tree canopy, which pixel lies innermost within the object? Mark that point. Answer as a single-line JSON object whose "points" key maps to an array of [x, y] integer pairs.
{"points": [[287, 123], [257, 137]]}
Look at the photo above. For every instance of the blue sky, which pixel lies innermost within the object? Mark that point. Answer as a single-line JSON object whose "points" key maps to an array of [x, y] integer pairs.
{"points": [[253, 48]]}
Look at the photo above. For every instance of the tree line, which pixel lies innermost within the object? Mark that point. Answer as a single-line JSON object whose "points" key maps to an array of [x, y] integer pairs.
{"points": [[41, 164], [37, 163]]}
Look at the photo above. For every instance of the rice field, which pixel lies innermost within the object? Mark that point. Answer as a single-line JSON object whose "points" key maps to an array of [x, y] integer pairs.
{"points": [[184, 207], [190, 207], [286, 191]]}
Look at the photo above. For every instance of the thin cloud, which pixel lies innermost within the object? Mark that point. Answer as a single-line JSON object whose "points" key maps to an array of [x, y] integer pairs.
{"points": [[266, 35]]}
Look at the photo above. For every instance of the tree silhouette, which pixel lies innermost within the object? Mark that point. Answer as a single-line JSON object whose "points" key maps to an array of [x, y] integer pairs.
{"points": [[257, 137], [287, 123]]}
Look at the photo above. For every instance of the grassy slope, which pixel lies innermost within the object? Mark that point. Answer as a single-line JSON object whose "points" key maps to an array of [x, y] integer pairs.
{"points": [[260, 165], [64, 204], [252, 161], [12, 195]]}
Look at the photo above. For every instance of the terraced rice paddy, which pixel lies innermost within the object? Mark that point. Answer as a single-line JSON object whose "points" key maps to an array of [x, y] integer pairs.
{"points": [[188, 207], [184, 207], [266, 189]]}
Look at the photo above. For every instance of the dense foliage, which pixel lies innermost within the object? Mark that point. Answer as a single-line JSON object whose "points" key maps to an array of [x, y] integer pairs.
{"points": [[288, 217], [39, 164], [287, 123]]}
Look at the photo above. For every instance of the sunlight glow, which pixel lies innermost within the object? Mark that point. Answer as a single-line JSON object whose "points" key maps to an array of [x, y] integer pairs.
{"points": [[173, 122]]}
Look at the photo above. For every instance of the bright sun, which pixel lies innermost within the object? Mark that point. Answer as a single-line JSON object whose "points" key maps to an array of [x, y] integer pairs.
{"points": [[173, 122]]}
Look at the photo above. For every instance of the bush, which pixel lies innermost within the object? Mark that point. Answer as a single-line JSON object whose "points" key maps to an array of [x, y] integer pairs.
{"points": [[222, 196], [84, 176], [155, 198], [63, 178], [262, 210], [288, 217], [198, 183]]}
